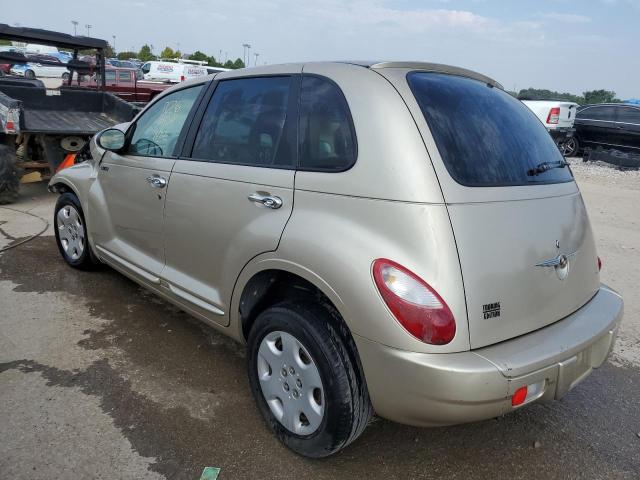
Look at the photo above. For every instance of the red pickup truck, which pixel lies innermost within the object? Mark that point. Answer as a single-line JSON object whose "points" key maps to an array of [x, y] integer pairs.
{"points": [[127, 84]]}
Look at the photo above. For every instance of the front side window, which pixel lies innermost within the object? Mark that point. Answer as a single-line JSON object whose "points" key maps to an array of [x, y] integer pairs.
{"points": [[486, 138], [327, 137], [110, 76], [157, 130], [146, 68], [245, 123]]}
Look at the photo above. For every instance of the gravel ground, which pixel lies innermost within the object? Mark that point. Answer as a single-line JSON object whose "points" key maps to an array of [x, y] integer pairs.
{"points": [[101, 379]]}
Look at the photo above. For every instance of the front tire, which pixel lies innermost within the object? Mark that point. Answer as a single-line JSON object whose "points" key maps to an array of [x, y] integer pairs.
{"points": [[71, 233], [65, 76], [30, 74], [308, 387]]}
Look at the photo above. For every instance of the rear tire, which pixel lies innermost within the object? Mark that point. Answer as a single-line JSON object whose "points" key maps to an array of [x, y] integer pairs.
{"points": [[342, 400], [71, 233], [30, 74], [65, 76], [572, 147], [9, 175]]}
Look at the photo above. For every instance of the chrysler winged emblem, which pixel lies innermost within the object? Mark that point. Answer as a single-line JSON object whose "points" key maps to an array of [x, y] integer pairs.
{"points": [[561, 262]]}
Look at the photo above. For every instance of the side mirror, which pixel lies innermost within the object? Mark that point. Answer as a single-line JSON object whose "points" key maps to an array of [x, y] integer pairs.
{"points": [[111, 139]]}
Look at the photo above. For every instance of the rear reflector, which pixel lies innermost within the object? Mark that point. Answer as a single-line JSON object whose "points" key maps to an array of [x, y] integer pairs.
{"points": [[554, 115], [599, 264], [182, 80], [519, 396]]}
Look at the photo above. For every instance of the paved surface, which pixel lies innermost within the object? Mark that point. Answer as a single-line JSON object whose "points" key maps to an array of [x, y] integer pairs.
{"points": [[100, 379]]}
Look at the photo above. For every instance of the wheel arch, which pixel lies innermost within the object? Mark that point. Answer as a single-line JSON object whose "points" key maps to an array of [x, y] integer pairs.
{"points": [[266, 281]]}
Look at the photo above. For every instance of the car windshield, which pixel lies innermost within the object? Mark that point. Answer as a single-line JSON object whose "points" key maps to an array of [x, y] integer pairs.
{"points": [[485, 137]]}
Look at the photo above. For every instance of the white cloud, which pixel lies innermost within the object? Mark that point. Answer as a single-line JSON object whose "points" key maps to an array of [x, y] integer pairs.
{"points": [[566, 17]]}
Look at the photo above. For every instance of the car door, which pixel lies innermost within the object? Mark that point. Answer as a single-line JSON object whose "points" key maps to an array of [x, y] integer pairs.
{"points": [[125, 87], [596, 126], [127, 199], [110, 79], [628, 123], [232, 190]]}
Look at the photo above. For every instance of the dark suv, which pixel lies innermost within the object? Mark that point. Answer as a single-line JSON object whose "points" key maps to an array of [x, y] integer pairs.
{"points": [[609, 126]]}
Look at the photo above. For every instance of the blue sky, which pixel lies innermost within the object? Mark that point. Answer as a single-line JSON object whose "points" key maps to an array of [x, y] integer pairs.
{"points": [[565, 45]]}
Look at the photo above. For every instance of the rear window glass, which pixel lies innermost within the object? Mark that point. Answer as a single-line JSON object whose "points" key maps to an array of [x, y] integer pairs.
{"points": [[485, 137]]}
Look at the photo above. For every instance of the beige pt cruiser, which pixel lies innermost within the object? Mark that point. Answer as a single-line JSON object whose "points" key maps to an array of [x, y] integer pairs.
{"points": [[398, 238]]}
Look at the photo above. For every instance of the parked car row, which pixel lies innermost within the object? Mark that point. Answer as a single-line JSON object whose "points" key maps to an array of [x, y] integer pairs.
{"points": [[614, 126], [608, 126]]}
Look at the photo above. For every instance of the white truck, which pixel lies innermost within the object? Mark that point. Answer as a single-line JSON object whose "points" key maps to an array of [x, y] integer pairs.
{"points": [[558, 117]]}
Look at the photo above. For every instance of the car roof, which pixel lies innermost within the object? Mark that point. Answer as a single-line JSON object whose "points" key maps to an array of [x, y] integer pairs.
{"points": [[426, 67]]}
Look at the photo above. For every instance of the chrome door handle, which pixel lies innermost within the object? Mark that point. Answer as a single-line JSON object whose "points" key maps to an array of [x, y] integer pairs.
{"points": [[157, 181], [266, 200]]}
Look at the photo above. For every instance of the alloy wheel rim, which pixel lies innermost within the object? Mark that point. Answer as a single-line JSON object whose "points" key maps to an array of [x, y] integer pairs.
{"points": [[71, 232], [290, 382]]}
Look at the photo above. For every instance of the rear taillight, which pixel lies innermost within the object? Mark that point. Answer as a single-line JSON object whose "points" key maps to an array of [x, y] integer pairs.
{"points": [[182, 80], [599, 264], [554, 115], [417, 306]]}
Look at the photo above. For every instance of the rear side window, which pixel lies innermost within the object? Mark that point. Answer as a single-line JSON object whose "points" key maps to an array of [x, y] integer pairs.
{"points": [[124, 76], [485, 137], [326, 133], [245, 123], [607, 114], [629, 115], [110, 76]]}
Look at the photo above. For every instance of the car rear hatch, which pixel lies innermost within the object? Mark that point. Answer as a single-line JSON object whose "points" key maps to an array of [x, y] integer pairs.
{"points": [[525, 245]]}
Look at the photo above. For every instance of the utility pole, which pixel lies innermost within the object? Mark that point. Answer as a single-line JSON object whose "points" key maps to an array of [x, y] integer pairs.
{"points": [[75, 27], [114, 44], [248, 55], [226, 57], [88, 27], [256, 60]]}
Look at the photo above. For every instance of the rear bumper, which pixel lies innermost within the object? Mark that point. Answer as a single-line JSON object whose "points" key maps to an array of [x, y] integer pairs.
{"points": [[562, 133], [445, 389]]}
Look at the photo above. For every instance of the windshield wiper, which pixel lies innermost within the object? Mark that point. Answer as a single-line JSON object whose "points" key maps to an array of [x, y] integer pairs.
{"points": [[546, 166]]}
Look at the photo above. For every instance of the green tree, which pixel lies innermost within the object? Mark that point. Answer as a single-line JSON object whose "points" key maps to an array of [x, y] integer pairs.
{"points": [[600, 96], [238, 63], [199, 56], [126, 55], [543, 94], [145, 54], [167, 53]]}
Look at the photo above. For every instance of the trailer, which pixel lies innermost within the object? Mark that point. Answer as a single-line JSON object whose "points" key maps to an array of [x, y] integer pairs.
{"points": [[40, 127]]}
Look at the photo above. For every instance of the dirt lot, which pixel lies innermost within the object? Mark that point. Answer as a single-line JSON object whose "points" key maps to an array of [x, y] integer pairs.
{"points": [[100, 379]]}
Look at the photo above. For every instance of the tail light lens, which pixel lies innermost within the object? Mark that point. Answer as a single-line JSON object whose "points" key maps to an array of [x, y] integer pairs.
{"points": [[417, 306], [554, 115]]}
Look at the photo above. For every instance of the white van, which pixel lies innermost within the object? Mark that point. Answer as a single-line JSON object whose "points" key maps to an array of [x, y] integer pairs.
{"points": [[172, 71]]}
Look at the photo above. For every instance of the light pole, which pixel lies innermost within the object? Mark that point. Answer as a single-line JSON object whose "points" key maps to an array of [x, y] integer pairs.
{"points": [[256, 59], [114, 44], [245, 53], [75, 27], [88, 27]]}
